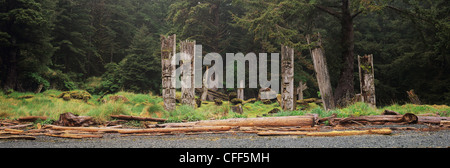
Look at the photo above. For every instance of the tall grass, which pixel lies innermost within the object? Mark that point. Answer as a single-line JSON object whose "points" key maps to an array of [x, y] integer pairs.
{"points": [[17, 105]]}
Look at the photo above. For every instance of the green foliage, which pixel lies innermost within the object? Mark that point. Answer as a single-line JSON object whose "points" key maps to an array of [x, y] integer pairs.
{"points": [[26, 50], [106, 46]]}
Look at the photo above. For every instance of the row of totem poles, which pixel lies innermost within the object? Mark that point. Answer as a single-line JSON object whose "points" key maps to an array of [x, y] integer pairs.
{"points": [[288, 100]]}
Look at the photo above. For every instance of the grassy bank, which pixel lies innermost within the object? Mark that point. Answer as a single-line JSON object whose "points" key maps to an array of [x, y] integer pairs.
{"points": [[48, 104]]}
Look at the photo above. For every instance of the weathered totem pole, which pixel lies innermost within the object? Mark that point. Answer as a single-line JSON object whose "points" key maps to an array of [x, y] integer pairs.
{"points": [[187, 80], [287, 78], [168, 50], [367, 79], [323, 77]]}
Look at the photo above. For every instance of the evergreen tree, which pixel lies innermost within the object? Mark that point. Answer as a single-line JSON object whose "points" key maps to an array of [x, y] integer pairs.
{"points": [[71, 37], [141, 69], [25, 27]]}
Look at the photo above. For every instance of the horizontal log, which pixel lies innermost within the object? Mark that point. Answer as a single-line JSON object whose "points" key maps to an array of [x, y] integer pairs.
{"points": [[390, 112], [308, 120], [18, 137], [383, 131], [169, 125], [149, 130], [31, 118], [432, 120], [281, 133], [310, 100], [408, 118], [126, 117], [74, 136], [16, 126], [183, 129], [84, 129]]}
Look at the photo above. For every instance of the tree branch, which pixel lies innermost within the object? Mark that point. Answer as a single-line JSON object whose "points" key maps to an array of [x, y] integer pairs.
{"points": [[410, 14], [329, 11], [356, 14]]}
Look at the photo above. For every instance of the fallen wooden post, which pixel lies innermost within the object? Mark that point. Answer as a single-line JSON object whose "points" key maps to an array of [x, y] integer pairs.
{"points": [[16, 126], [126, 117], [18, 137], [74, 136], [281, 133], [383, 131], [445, 124], [309, 120], [149, 130], [32, 118], [432, 120], [180, 130], [408, 118]]}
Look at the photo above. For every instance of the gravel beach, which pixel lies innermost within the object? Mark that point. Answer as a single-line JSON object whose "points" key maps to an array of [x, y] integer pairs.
{"points": [[399, 139]]}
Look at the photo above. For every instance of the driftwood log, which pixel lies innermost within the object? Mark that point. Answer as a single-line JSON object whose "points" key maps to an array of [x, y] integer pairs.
{"points": [[383, 131], [309, 120], [149, 130], [31, 118], [408, 118], [126, 117], [16, 126], [432, 120], [18, 137]]}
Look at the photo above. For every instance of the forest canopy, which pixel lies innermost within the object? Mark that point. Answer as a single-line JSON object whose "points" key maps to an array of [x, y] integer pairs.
{"points": [[104, 46]]}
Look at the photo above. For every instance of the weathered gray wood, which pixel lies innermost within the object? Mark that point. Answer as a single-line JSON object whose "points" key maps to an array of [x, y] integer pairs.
{"points": [[413, 97], [323, 77], [205, 86], [367, 79], [287, 78], [168, 50], [187, 80], [301, 87]]}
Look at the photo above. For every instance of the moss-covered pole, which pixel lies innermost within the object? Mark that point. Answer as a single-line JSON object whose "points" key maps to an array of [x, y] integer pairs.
{"points": [[367, 79]]}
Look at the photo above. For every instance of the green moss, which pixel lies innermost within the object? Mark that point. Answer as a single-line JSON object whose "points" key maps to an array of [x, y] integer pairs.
{"points": [[236, 101]]}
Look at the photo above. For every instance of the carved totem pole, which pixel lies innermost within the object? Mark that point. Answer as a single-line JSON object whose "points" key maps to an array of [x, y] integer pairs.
{"points": [[187, 80], [168, 50], [287, 78]]}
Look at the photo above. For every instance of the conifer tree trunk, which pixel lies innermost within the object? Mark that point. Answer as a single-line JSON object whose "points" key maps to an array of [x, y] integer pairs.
{"points": [[345, 88]]}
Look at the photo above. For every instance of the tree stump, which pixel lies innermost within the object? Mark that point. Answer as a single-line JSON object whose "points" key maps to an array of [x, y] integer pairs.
{"points": [[72, 120]]}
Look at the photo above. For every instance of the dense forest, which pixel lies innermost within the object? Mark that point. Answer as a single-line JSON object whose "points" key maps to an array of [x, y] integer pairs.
{"points": [[104, 46]]}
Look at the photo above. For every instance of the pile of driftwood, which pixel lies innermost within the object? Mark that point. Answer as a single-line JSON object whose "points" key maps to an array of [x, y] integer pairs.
{"points": [[77, 127]]}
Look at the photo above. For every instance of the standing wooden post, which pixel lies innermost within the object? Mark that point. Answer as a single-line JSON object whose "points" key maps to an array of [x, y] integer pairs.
{"points": [[323, 78], [205, 86], [301, 87], [240, 90], [168, 50], [187, 80], [367, 79], [287, 75]]}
